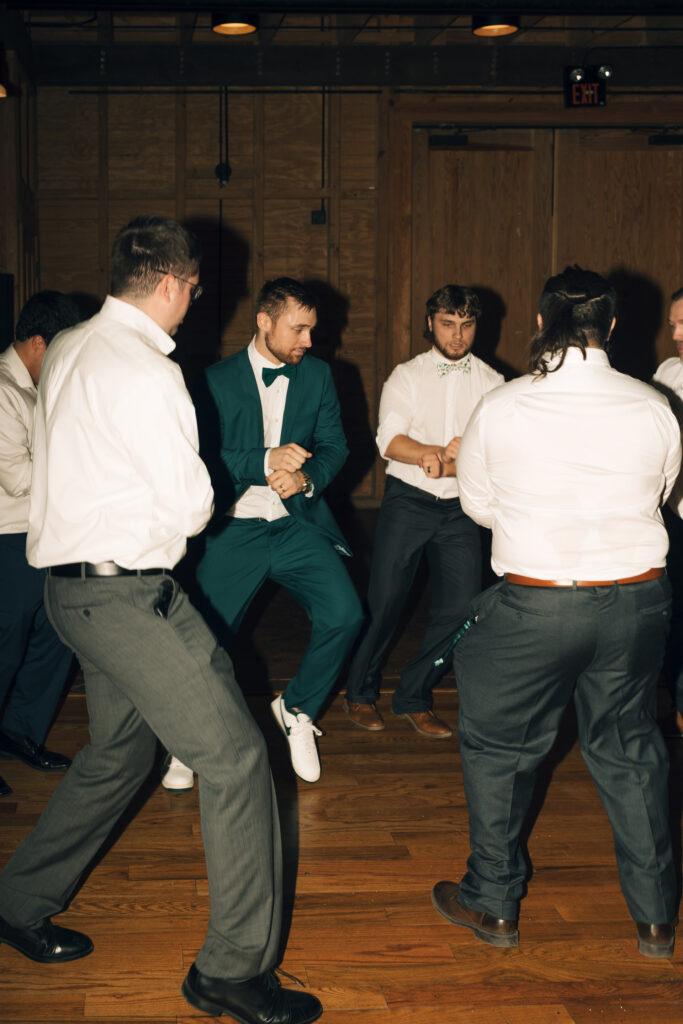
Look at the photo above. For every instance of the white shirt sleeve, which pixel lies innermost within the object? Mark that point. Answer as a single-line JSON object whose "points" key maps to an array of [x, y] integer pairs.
{"points": [[395, 409], [15, 449], [476, 495]]}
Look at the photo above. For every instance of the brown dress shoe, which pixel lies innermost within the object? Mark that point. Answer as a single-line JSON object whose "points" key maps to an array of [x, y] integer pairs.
{"points": [[364, 715], [656, 939], [427, 724], [494, 930]]}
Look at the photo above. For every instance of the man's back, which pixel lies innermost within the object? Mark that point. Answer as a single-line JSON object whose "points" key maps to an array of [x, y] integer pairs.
{"points": [[576, 463]]}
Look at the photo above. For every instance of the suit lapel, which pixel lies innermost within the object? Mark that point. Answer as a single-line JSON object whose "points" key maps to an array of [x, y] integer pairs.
{"points": [[295, 394], [253, 427]]}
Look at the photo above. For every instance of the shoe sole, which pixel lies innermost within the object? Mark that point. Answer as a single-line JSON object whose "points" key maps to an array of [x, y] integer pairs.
{"points": [[502, 941], [283, 729], [429, 735], [47, 959], [369, 728], [178, 789], [214, 1010], [656, 950]]}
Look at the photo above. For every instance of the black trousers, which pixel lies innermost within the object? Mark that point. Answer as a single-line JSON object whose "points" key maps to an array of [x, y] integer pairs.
{"points": [[412, 522], [34, 663], [530, 651]]}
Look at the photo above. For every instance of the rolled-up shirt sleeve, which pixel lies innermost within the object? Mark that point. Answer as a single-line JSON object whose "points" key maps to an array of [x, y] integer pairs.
{"points": [[395, 409]]}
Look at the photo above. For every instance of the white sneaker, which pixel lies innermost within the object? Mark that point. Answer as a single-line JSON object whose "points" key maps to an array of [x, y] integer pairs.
{"points": [[301, 733], [177, 776]]}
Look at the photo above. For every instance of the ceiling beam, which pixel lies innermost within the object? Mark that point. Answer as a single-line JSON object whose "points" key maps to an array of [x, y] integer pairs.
{"points": [[141, 65], [369, 7]]}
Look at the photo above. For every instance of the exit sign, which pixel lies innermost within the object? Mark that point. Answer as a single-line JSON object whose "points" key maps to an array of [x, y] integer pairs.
{"points": [[584, 87]]}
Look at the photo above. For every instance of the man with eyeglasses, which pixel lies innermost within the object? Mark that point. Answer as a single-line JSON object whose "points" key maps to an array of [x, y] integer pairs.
{"points": [[118, 486]]}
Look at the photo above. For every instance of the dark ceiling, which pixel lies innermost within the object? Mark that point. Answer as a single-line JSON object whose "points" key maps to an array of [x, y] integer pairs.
{"points": [[371, 44]]}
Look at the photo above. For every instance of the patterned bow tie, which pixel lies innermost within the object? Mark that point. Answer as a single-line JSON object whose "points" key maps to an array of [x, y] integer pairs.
{"points": [[463, 365], [282, 371]]}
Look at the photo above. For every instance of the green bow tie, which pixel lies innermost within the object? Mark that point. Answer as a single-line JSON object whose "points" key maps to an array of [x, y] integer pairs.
{"points": [[282, 371]]}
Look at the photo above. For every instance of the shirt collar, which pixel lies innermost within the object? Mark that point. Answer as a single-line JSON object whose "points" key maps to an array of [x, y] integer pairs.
{"points": [[574, 357], [18, 369], [258, 361], [127, 313]]}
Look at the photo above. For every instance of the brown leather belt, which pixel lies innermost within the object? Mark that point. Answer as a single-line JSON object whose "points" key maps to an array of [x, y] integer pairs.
{"points": [[529, 581]]}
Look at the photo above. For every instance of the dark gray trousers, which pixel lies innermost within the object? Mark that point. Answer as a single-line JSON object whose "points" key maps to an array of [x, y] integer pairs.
{"points": [[148, 676], [530, 650]]}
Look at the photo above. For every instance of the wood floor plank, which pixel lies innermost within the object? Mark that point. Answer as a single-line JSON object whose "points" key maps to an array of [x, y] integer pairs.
{"points": [[363, 848]]}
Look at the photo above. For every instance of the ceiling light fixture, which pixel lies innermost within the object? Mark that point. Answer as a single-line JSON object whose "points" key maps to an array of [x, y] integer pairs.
{"points": [[489, 26], [234, 23]]}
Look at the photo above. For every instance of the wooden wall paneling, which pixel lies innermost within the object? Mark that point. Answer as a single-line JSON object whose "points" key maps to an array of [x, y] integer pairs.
{"points": [[356, 364], [259, 273], [142, 139], [620, 212], [203, 144], [180, 155], [68, 144], [292, 137], [69, 248], [399, 197], [474, 223], [359, 131], [292, 245], [103, 214], [222, 321], [384, 222]]}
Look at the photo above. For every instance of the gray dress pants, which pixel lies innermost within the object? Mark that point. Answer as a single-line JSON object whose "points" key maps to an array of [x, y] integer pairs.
{"points": [[149, 676], [529, 653]]}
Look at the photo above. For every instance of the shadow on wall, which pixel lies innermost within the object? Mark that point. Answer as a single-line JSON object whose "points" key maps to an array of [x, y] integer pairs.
{"points": [[224, 278], [640, 301], [489, 330], [333, 316]]}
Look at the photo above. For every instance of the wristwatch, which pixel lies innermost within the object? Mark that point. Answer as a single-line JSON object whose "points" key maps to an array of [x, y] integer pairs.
{"points": [[309, 486]]}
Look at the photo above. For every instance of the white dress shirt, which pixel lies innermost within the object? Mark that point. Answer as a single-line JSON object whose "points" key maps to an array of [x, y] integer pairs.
{"points": [[431, 408], [18, 396], [263, 502], [570, 471], [669, 374], [116, 470]]}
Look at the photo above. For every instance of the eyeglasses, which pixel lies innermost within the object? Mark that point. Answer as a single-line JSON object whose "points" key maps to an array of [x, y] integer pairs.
{"points": [[196, 290]]}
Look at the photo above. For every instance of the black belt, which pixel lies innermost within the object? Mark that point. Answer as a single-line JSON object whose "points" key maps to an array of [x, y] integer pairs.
{"points": [[79, 570]]}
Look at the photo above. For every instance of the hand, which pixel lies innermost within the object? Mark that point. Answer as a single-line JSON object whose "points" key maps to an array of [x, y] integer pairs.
{"points": [[288, 456], [431, 466], [450, 451], [287, 484]]}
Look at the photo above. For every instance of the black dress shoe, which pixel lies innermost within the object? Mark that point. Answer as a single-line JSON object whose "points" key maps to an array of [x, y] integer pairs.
{"points": [[259, 1000], [5, 788], [656, 940], [47, 943], [35, 756]]}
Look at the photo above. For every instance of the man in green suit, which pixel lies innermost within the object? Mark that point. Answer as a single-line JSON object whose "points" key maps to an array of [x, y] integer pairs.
{"points": [[273, 440]]}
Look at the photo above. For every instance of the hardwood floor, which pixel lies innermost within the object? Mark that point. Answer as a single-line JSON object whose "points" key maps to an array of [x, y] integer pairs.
{"points": [[363, 848]]}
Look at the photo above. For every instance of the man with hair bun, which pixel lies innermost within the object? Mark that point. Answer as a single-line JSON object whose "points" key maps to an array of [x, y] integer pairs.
{"points": [[569, 467], [34, 663], [424, 409]]}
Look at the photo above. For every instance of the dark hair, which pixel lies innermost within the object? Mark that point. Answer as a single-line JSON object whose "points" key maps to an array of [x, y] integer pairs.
{"points": [[273, 296], [677, 295], [452, 298], [46, 313], [146, 246], [576, 307]]}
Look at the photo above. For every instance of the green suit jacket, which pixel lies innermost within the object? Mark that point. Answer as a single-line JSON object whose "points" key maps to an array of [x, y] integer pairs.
{"points": [[230, 422]]}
